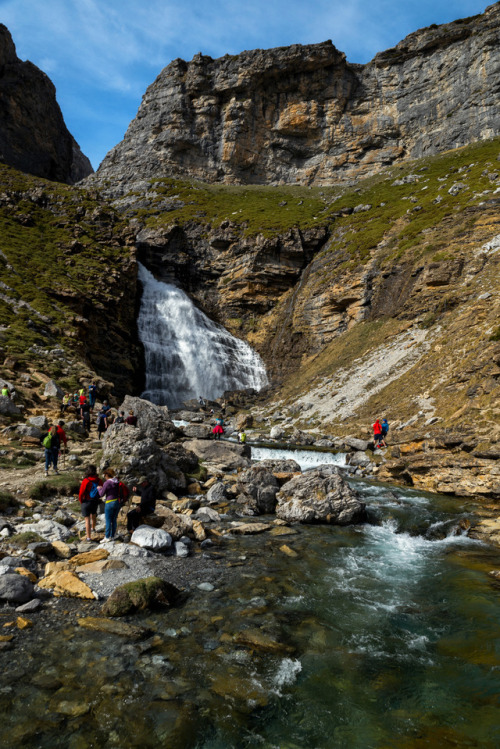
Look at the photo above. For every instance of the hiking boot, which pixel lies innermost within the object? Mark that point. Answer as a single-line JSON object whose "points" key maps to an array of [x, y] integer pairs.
{"points": [[56, 472], [46, 473]]}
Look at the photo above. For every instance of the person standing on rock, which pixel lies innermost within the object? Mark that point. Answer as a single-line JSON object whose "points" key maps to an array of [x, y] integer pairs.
{"points": [[377, 434], [51, 443], [385, 429], [89, 499], [92, 395], [85, 414], [110, 490], [147, 506], [102, 423]]}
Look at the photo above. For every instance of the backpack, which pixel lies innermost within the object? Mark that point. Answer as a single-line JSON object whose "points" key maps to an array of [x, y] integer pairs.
{"points": [[93, 491], [123, 493], [47, 441]]}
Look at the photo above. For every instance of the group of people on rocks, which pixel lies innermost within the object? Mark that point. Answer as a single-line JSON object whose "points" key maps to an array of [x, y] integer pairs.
{"points": [[114, 494], [380, 430]]}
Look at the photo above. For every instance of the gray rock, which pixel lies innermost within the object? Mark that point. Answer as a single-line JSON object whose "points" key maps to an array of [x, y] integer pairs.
{"points": [[197, 431], [154, 421], [207, 515], [181, 549], [32, 605], [226, 456], [155, 539], [319, 496], [41, 422], [47, 529], [16, 588], [356, 443], [287, 465], [277, 432], [29, 431], [75, 426], [258, 488], [52, 390], [359, 459], [8, 407], [217, 493]]}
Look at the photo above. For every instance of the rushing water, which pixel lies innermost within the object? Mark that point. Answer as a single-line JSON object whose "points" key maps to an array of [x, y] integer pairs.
{"points": [[187, 354], [306, 459], [385, 635]]}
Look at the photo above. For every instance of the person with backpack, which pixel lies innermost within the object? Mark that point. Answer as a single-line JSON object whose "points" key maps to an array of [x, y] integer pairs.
{"points": [[92, 395], [377, 434], [147, 493], [385, 429], [102, 423], [120, 419], [51, 442], [110, 490], [89, 499]]}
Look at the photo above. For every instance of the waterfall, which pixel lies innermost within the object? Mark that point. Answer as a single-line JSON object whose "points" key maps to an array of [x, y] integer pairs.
{"points": [[187, 354]]}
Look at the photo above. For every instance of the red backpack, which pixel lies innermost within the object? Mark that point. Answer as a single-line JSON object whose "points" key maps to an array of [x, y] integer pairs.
{"points": [[123, 493]]}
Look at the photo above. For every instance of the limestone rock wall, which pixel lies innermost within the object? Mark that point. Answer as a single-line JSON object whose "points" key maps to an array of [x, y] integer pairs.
{"points": [[33, 135], [302, 114]]}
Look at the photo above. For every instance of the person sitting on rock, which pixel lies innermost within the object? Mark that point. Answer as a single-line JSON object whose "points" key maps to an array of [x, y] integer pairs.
{"points": [[89, 499], [147, 493], [120, 419], [131, 419]]}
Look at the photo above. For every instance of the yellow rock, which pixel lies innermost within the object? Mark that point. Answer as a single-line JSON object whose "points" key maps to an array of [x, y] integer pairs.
{"points": [[199, 531], [257, 640], [6, 638], [26, 573], [52, 567], [194, 488], [288, 551], [9, 624], [89, 556], [29, 503], [250, 528], [281, 530], [111, 626], [102, 565], [66, 583], [23, 623], [62, 550]]}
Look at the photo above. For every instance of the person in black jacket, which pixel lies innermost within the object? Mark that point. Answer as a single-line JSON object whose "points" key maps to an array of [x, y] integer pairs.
{"points": [[147, 506]]}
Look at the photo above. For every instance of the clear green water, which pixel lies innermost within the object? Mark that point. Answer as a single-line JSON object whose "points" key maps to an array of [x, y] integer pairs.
{"points": [[387, 633]]}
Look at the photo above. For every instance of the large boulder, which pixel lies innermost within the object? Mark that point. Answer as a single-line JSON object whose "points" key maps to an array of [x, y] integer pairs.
{"points": [[8, 407], [47, 529], [154, 421], [319, 496], [226, 456], [127, 449], [15, 588], [357, 444], [154, 539], [52, 390], [40, 422], [258, 488], [140, 595], [197, 431], [217, 493], [25, 430]]}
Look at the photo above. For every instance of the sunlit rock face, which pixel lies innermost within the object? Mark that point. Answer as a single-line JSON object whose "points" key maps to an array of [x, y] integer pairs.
{"points": [[33, 135], [303, 114]]}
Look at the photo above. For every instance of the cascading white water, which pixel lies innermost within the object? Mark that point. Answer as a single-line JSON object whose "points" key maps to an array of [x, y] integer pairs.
{"points": [[187, 355]]}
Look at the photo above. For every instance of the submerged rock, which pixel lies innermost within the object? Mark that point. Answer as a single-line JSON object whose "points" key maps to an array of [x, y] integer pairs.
{"points": [[100, 624], [320, 496]]}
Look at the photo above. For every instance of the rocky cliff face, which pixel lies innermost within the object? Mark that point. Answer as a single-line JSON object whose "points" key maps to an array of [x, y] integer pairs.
{"points": [[302, 114], [33, 135]]}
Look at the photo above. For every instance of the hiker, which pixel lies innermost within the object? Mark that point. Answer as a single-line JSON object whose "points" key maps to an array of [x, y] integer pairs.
{"points": [[85, 414], [377, 434], [106, 408], [62, 436], [242, 436], [65, 402], [92, 395], [5, 391], [120, 419], [201, 401], [89, 499], [51, 443], [110, 490], [102, 423], [147, 506], [385, 429], [218, 430], [131, 419]]}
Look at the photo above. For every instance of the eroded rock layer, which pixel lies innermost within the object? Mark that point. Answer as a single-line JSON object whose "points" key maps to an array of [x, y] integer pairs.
{"points": [[303, 114]]}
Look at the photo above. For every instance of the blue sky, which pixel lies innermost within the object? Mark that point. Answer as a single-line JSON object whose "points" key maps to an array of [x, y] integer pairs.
{"points": [[103, 54]]}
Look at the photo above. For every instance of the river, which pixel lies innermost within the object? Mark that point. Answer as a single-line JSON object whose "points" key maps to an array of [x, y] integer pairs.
{"points": [[380, 635]]}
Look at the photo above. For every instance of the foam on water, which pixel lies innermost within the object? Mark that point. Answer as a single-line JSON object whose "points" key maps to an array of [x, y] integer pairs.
{"points": [[306, 459]]}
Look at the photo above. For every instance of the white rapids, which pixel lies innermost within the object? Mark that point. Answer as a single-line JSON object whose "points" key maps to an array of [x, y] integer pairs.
{"points": [[187, 355]]}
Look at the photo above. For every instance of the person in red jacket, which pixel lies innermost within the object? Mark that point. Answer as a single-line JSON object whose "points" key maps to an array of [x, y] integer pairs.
{"points": [[89, 499], [377, 435]]}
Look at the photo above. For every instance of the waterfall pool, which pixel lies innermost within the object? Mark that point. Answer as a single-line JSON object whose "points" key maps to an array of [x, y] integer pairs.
{"points": [[377, 635]]}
